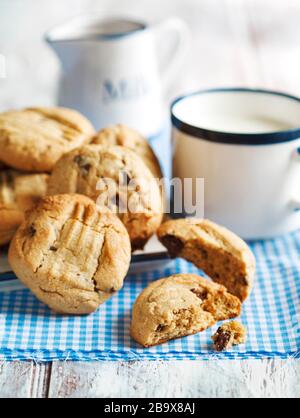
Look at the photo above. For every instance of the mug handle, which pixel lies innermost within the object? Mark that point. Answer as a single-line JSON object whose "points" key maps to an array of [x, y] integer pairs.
{"points": [[171, 56], [295, 203]]}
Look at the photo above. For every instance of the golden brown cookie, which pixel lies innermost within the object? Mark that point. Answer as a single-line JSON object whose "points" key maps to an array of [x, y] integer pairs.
{"points": [[18, 192], [180, 305], [222, 255], [117, 178], [228, 335], [129, 138], [34, 139], [72, 256]]}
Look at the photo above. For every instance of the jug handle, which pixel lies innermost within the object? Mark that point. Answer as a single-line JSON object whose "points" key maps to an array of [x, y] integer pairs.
{"points": [[171, 56]]}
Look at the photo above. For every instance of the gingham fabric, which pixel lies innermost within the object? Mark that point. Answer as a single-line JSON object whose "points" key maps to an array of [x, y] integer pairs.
{"points": [[28, 330]]}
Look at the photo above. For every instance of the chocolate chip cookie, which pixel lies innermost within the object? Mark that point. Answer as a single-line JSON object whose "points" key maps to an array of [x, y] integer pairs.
{"points": [[129, 138], [228, 335], [72, 256], [180, 305], [222, 255], [18, 192], [34, 139], [116, 178]]}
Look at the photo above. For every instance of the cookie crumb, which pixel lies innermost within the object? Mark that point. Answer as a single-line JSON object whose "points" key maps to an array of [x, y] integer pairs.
{"points": [[228, 335]]}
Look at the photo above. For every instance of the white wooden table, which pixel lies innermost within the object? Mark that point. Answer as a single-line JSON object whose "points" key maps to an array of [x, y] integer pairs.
{"points": [[236, 42]]}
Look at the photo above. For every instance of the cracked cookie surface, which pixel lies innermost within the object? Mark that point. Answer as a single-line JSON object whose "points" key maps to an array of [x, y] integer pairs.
{"points": [[72, 256], [34, 139], [19, 192], [222, 255], [129, 138], [180, 305], [116, 178]]}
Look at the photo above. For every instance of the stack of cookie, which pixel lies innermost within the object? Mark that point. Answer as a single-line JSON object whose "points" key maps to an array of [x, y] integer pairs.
{"points": [[72, 253], [38, 143], [74, 240], [31, 142]]}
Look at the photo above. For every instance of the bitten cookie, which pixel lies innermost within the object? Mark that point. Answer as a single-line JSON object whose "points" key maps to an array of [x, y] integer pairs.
{"points": [[222, 255], [228, 335], [129, 138], [180, 305], [18, 192], [72, 256], [117, 178], [34, 139]]}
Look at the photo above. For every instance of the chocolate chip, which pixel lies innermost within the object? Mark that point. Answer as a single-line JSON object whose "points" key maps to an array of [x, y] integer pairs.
{"points": [[243, 280], [53, 248], [9, 177], [174, 245], [161, 327], [203, 253], [138, 244], [222, 340], [86, 168], [31, 231], [200, 293], [83, 164], [78, 159]]}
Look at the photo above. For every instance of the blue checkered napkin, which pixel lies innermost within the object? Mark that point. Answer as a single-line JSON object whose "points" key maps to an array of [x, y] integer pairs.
{"points": [[28, 330]]}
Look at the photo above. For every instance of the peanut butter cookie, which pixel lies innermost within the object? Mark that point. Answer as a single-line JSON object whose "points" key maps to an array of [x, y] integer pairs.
{"points": [[222, 255], [180, 305], [72, 256], [129, 138], [19, 192], [228, 335], [34, 139], [116, 178]]}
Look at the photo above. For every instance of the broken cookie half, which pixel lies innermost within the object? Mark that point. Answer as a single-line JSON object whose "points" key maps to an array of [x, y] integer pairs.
{"points": [[180, 305], [221, 254]]}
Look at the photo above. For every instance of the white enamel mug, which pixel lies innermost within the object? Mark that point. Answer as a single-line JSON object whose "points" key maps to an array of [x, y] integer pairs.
{"points": [[245, 144], [116, 69]]}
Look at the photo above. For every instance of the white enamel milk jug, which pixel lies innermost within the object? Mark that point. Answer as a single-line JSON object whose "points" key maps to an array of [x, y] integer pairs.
{"points": [[115, 70]]}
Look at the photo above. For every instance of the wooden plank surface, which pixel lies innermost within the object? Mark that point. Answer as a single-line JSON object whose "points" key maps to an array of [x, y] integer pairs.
{"points": [[236, 42], [250, 379], [228, 379], [24, 380]]}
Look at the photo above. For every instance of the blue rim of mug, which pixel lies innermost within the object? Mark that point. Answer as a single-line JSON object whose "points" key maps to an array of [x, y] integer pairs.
{"points": [[111, 36], [236, 138]]}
